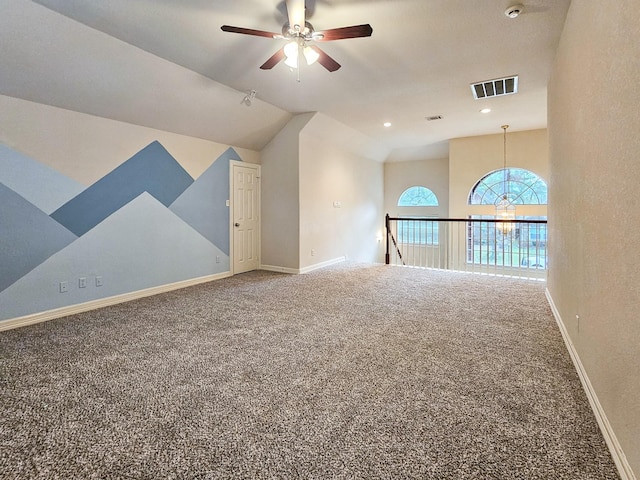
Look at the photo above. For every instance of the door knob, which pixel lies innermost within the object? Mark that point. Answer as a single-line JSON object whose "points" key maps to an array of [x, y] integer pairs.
{"points": [[237, 224]]}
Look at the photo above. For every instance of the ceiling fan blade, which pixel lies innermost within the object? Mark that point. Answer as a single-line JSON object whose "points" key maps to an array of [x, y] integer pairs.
{"points": [[354, 31], [273, 60], [295, 11], [325, 60], [250, 31]]}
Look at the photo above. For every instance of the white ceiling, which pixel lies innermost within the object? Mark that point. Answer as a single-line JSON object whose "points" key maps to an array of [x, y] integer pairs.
{"points": [[419, 62]]}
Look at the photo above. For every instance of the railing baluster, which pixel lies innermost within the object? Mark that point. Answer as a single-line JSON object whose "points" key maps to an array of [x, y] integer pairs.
{"points": [[477, 228], [468, 244]]}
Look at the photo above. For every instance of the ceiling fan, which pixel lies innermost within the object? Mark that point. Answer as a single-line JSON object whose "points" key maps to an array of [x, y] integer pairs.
{"points": [[300, 36]]}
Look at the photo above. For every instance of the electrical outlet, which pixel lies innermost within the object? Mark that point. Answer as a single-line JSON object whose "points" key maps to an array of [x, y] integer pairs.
{"points": [[217, 258], [64, 287], [82, 282], [313, 252], [99, 281]]}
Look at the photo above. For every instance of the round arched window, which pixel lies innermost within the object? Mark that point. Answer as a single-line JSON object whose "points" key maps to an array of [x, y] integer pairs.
{"points": [[523, 188], [418, 197]]}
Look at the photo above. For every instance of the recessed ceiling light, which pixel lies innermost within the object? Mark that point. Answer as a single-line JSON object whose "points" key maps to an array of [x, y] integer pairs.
{"points": [[485, 110], [387, 124]]}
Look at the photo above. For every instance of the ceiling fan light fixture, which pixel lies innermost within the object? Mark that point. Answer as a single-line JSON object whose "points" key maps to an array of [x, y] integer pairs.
{"points": [[299, 32], [291, 62], [310, 55], [291, 52]]}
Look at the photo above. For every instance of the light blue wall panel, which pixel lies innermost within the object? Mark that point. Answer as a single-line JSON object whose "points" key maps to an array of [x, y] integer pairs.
{"points": [[142, 245], [126, 233], [37, 183], [203, 204], [152, 170], [28, 236]]}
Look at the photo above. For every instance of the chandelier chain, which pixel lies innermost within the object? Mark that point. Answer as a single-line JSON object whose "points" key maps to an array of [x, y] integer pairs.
{"points": [[505, 174]]}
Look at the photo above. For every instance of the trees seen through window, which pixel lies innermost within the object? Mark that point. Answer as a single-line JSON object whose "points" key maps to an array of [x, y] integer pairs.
{"points": [[523, 188]]}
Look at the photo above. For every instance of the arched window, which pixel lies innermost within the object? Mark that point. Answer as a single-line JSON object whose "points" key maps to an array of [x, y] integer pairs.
{"points": [[524, 187], [418, 232], [418, 197]]}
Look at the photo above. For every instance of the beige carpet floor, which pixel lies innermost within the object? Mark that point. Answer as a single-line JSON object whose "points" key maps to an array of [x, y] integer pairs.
{"points": [[354, 371]]}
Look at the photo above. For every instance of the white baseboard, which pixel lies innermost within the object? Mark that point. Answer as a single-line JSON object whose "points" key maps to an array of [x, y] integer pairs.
{"points": [[298, 271], [275, 268], [104, 302], [317, 266], [624, 469]]}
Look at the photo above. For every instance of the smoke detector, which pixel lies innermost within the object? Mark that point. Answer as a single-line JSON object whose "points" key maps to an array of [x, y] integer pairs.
{"points": [[514, 10]]}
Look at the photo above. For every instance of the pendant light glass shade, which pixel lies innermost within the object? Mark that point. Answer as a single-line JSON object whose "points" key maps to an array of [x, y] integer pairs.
{"points": [[505, 210]]}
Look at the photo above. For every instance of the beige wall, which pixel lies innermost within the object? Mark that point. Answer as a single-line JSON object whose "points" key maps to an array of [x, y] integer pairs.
{"points": [[280, 197], [594, 213], [433, 174], [471, 158], [332, 173], [312, 163], [58, 138]]}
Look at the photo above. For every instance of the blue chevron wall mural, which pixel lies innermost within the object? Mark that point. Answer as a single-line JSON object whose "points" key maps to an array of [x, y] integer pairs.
{"points": [[145, 224]]}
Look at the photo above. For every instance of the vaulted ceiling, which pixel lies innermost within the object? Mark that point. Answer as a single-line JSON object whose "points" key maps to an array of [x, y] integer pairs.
{"points": [[166, 64]]}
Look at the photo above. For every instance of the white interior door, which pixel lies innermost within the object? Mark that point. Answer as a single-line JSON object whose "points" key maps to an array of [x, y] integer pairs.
{"points": [[245, 221]]}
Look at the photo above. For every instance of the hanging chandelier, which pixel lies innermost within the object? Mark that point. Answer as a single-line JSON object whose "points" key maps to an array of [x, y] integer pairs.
{"points": [[505, 210]]}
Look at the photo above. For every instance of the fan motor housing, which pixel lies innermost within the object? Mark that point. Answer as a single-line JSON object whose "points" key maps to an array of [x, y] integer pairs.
{"points": [[289, 32]]}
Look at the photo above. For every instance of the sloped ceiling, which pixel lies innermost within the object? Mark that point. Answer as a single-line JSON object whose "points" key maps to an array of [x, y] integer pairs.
{"points": [[166, 64]]}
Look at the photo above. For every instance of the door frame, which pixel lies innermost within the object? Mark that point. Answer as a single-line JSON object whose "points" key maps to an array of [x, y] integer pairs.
{"points": [[232, 166]]}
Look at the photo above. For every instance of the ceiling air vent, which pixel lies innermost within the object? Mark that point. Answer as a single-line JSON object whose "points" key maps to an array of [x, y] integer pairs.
{"points": [[495, 88]]}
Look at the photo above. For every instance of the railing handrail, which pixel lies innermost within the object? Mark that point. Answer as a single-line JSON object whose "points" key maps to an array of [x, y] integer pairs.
{"points": [[469, 244], [472, 220]]}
